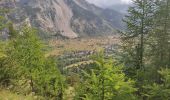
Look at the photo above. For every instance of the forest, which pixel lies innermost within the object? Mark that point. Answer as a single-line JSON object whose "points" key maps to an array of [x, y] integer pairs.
{"points": [[139, 71]]}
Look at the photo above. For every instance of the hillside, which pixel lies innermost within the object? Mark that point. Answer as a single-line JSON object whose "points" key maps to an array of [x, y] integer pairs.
{"points": [[70, 50], [70, 18], [123, 8]]}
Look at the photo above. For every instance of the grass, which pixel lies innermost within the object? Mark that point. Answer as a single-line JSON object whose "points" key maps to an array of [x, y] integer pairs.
{"points": [[8, 95], [69, 94]]}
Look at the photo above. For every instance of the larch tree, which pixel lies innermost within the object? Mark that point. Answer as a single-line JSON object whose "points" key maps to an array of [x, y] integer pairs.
{"points": [[105, 81], [161, 35], [139, 22], [3, 25], [39, 73]]}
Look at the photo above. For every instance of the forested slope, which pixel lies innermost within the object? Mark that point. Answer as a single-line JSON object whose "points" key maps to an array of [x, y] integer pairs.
{"points": [[138, 68]]}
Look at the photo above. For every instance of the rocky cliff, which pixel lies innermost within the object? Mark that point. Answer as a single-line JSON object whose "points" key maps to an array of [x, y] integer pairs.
{"points": [[70, 18]]}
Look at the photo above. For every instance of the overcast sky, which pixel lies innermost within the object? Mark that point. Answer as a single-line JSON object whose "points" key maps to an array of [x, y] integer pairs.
{"points": [[105, 3]]}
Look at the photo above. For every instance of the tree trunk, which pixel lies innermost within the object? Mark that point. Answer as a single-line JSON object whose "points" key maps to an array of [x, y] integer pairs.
{"points": [[103, 93], [32, 84], [142, 36]]}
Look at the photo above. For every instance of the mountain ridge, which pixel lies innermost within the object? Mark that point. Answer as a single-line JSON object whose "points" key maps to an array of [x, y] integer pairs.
{"points": [[69, 18]]}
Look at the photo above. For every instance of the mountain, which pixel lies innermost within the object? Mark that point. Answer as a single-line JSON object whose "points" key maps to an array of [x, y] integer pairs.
{"points": [[122, 8], [69, 18]]}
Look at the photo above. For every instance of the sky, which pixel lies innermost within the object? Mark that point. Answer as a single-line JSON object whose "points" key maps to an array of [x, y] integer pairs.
{"points": [[107, 3]]}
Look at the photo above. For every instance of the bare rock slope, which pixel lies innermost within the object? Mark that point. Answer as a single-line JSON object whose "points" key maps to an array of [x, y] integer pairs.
{"points": [[70, 18]]}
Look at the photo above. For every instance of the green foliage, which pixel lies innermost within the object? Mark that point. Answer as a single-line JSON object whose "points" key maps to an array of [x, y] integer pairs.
{"points": [[12, 31], [42, 73], [3, 20], [139, 24], [159, 91], [161, 36], [23, 66], [5, 71], [106, 82], [28, 51], [26, 69], [9, 95], [3, 23], [2, 54], [50, 82], [146, 42]]}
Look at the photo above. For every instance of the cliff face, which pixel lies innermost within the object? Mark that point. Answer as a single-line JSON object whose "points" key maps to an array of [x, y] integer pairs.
{"points": [[52, 16], [70, 18]]}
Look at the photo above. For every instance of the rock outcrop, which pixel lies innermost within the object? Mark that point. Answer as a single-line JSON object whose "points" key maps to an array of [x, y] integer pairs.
{"points": [[70, 18]]}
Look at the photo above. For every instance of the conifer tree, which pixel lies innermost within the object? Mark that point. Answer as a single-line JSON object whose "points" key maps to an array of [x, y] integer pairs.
{"points": [[139, 24], [161, 35], [39, 73], [3, 70], [159, 91], [28, 54], [105, 82]]}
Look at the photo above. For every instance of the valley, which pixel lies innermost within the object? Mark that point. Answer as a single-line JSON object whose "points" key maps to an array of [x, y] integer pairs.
{"points": [[64, 46], [84, 50], [74, 54]]}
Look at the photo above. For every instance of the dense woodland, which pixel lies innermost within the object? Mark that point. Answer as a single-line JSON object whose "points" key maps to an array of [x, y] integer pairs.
{"points": [[142, 71]]}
